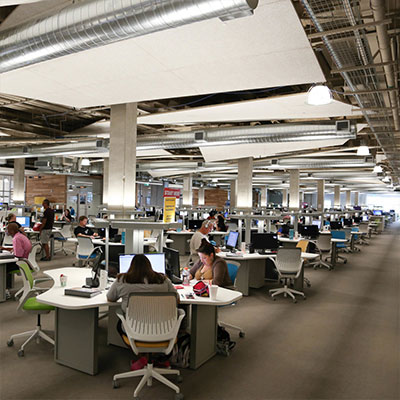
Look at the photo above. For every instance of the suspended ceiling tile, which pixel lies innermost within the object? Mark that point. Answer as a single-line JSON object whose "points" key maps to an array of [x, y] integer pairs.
{"points": [[257, 150], [268, 49], [284, 107]]}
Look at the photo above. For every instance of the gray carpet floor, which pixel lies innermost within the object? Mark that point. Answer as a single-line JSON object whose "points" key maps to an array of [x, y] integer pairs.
{"points": [[340, 343]]}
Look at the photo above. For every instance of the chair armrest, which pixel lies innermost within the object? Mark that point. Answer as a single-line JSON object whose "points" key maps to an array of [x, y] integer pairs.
{"points": [[41, 280]]}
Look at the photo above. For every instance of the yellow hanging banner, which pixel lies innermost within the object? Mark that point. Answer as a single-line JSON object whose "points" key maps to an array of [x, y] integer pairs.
{"points": [[169, 209]]}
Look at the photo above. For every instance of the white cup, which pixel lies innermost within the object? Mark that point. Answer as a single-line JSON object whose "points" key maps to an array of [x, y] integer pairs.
{"points": [[243, 247], [213, 292], [63, 280]]}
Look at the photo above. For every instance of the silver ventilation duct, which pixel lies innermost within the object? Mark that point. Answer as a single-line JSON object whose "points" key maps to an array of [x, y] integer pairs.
{"points": [[250, 134], [311, 163], [95, 23]]}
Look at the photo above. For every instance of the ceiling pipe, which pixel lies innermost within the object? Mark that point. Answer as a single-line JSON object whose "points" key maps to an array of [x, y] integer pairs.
{"points": [[280, 133], [94, 23]]}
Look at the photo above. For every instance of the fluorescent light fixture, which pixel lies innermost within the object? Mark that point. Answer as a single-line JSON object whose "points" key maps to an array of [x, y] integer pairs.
{"points": [[378, 169], [319, 95], [4, 134], [85, 162], [363, 151]]}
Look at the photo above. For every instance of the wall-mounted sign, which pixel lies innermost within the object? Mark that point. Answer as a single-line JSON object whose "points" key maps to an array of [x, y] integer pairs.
{"points": [[171, 192]]}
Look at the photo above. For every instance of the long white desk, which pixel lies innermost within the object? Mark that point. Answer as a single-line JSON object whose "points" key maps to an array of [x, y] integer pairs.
{"points": [[76, 322], [251, 273], [3, 276]]}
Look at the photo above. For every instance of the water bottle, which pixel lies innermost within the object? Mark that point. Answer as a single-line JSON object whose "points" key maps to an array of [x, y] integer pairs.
{"points": [[186, 276], [291, 234]]}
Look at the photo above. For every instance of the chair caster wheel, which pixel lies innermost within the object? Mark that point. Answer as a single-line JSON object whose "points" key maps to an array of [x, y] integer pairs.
{"points": [[179, 396], [179, 379], [304, 298], [345, 261], [241, 334], [10, 343], [115, 385], [21, 353], [273, 298], [294, 301]]}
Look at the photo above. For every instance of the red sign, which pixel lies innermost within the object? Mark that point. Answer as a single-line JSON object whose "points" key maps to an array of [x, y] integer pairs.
{"points": [[170, 192]]}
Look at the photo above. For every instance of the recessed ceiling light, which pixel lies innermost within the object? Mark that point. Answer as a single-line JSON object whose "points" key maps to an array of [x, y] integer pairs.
{"points": [[85, 162], [319, 95]]}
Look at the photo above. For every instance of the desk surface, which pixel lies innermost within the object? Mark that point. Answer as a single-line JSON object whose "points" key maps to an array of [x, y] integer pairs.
{"points": [[192, 232], [256, 256], [76, 277], [8, 260], [100, 242]]}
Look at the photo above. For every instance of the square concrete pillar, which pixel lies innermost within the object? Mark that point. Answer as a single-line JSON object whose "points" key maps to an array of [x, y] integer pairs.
{"points": [[187, 196], [284, 197], [232, 194], [294, 199], [122, 161], [201, 196], [19, 180], [245, 183], [356, 198], [348, 198], [264, 196], [336, 198], [320, 194], [106, 164]]}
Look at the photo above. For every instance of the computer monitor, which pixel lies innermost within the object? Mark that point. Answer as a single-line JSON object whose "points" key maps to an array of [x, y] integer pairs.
{"points": [[365, 218], [311, 231], [317, 222], [157, 261], [172, 263], [358, 208], [335, 225], [265, 241], [357, 220], [377, 212], [347, 222], [232, 240], [285, 229], [195, 223], [24, 221]]}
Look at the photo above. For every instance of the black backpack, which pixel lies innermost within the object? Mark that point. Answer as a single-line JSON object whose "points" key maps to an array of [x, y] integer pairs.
{"points": [[224, 342]]}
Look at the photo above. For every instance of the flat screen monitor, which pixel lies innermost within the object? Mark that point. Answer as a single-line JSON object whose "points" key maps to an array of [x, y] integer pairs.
{"points": [[378, 212], [347, 222], [310, 231], [195, 223], [357, 220], [265, 241], [365, 218], [285, 229], [24, 221], [335, 225], [358, 208], [157, 261], [317, 222], [232, 240], [172, 261]]}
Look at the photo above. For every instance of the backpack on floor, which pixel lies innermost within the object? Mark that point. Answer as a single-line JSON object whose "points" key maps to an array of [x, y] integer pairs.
{"points": [[181, 352], [224, 342]]}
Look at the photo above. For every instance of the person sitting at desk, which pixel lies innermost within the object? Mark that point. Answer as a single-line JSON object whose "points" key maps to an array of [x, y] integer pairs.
{"points": [[13, 218], [139, 278], [195, 242], [82, 230], [66, 216], [220, 225], [210, 267]]}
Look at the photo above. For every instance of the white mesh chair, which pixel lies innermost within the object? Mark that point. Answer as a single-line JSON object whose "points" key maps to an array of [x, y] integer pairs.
{"points": [[323, 245], [62, 236], [288, 262], [7, 240], [86, 251], [29, 304], [151, 324]]}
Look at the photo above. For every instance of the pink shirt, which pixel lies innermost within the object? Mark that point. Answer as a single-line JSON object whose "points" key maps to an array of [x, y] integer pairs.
{"points": [[21, 245]]}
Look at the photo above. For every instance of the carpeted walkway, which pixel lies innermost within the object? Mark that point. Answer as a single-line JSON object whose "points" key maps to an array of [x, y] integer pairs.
{"points": [[340, 343]]}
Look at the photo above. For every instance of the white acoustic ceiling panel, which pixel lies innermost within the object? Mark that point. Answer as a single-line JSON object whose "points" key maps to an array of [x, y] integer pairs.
{"points": [[257, 150], [285, 107], [268, 49]]}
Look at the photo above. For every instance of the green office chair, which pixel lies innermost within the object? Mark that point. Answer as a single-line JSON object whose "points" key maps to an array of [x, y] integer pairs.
{"points": [[29, 304]]}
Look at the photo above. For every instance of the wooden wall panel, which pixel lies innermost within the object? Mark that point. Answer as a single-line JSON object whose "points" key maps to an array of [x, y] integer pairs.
{"points": [[212, 197], [53, 187]]}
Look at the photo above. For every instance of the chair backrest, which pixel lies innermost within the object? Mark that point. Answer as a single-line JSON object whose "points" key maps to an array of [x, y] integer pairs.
{"points": [[288, 260], [85, 246], [338, 235], [7, 240], [32, 257], [324, 241], [152, 316], [303, 245], [27, 280], [66, 231], [233, 268]]}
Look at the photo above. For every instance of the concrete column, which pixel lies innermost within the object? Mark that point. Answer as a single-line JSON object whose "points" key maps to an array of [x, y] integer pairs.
{"points": [[233, 192], [294, 200], [19, 180], [301, 197], [284, 197], [187, 198], [106, 164], [336, 199], [264, 196], [201, 196], [356, 198], [320, 194], [348, 198], [244, 183], [122, 161]]}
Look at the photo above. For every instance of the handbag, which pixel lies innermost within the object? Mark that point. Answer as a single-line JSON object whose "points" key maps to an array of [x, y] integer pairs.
{"points": [[201, 289], [36, 227]]}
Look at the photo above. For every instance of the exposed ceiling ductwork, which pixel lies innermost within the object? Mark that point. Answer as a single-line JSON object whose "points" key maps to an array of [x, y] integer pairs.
{"points": [[95, 23]]}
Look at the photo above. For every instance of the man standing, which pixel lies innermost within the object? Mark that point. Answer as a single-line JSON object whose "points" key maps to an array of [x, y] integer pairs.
{"points": [[46, 228], [195, 242]]}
